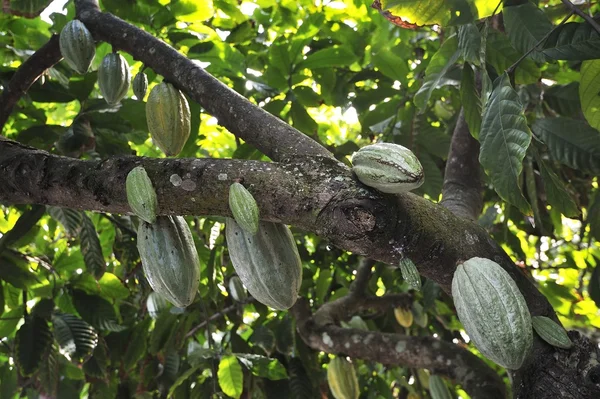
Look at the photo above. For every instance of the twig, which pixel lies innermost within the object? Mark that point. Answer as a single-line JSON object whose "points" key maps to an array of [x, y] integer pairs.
{"points": [[587, 18], [363, 273], [215, 316]]}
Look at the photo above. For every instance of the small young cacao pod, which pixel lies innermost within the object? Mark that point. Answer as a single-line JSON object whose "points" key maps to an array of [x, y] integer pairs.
{"points": [[237, 290], [410, 274], [267, 262], [168, 117], [342, 380], [141, 195], [404, 317], [438, 388], [244, 208], [140, 85], [169, 259], [113, 78], [77, 46], [551, 332], [389, 168], [492, 311]]}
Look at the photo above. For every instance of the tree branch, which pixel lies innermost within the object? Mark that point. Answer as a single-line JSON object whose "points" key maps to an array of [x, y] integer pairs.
{"points": [[583, 15], [26, 75], [462, 190], [269, 134]]}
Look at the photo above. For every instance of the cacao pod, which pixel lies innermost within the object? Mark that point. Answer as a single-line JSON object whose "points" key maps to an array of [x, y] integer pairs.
{"points": [[169, 258], [413, 395], [113, 78], [168, 117], [77, 46], [389, 168], [244, 208], [404, 317], [492, 311], [410, 274], [438, 388], [342, 380], [356, 322], [237, 290], [141, 195], [551, 332], [140, 85], [267, 262], [155, 303]]}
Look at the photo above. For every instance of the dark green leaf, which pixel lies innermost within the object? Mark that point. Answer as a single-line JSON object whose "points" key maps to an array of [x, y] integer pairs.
{"points": [[557, 193], [469, 43], [593, 219], [335, 56], [263, 366], [32, 342], [96, 365], [14, 269], [137, 346], [574, 41], [164, 328], [26, 221], [501, 55], [526, 25], [90, 247], [391, 65], [97, 311], [564, 99], [76, 338], [9, 321], [71, 219], [264, 338], [470, 101], [49, 371]]}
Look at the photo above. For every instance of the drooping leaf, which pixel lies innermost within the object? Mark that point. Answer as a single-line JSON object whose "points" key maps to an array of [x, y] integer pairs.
{"points": [[526, 25], [14, 269], [469, 43], [574, 41], [589, 87], [557, 193], [96, 365], [300, 383], [504, 139], [32, 342], [164, 328], [76, 338], [71, 219], [284, 335], [564, 99], [501, 55], [26, 8], [433, 183], [25, 222], [97, 311], [137, 346], [571, 142], [49, 371], [91, 248], [263, 366], [112, 287], [231, 377], [470, 101]]}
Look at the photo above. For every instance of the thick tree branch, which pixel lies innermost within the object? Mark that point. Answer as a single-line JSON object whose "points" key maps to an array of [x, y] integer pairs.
{"points": [[462, 190], [269, 134], [26, 75], [476, 378]]}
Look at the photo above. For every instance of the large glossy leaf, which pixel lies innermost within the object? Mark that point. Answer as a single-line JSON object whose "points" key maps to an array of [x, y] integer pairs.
{"points": [[574, 41], [441, 61], [391, 65], [76, 338], [469, 43], [410, 13], [90, 247], [571, 142], [564, 99], [71, 219], [501, 55], [526, 25], [504, 139], [336, 56], [231, 377], [589, 87], [32, 342], [97, 311], [263, 366], [470, 100]]}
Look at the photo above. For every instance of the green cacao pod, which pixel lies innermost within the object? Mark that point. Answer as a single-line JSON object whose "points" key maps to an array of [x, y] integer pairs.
{"points": [[140, 85], [168, 117], [141, 195], [438, 388], [551, 332], [77, 46], [244, 208], [267, 262], [404, 317], [389, 168], [113, 78], [237, 290], [155, 303], [170, 259], [410, 274], [342, 380], [356, 322], [492, 311]]}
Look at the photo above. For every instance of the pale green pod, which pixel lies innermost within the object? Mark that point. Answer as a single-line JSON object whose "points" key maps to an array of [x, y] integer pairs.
{"points": [[389, 168], [77, 46], [244, 208], [438, 388], [140, 85], [551, 332], [493, 311], [342, 379], [267, 262], [410, 274], [141, 195], [113, 78]]}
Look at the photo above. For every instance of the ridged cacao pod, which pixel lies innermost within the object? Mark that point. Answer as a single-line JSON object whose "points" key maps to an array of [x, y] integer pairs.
{"points": [[170, 259], [244, 208], [410, 274], [140, 85], [493, 311], [267, 262], [77, 46], [237, 290], [438, 388], [113, 78], [168, 117], [342, 380], [404, 317], [551, 332], [155, 303], [389, 168], [141, 195], [356, 322]]}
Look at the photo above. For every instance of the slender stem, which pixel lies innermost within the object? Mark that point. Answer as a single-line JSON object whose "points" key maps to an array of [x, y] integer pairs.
{"points": [[583, 15]]}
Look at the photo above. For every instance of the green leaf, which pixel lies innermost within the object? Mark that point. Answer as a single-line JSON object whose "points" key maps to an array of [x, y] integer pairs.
{"points": [[429, 12], [564, 99], [593, 219], [501, 55], [322, 285], [27, 8], [111, 287], [9, 321], [164, 328], [574, 41], [71, 219], [97, 311], [469, 43], [589, 88], [14, 269], [182, 378], [49, 371], [558, 196], [301, 119], [263, 366], [441, 61], [264, 338], [76, 338], [434, 181], [300, 384], [391, 65], [571, 142], [136, 348], [192, 10], [335, 56], [504, 139], [91, 248], [96, 365], [32, 341], [526, 25], [26, 221], [231, 377], [470, 101]]}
